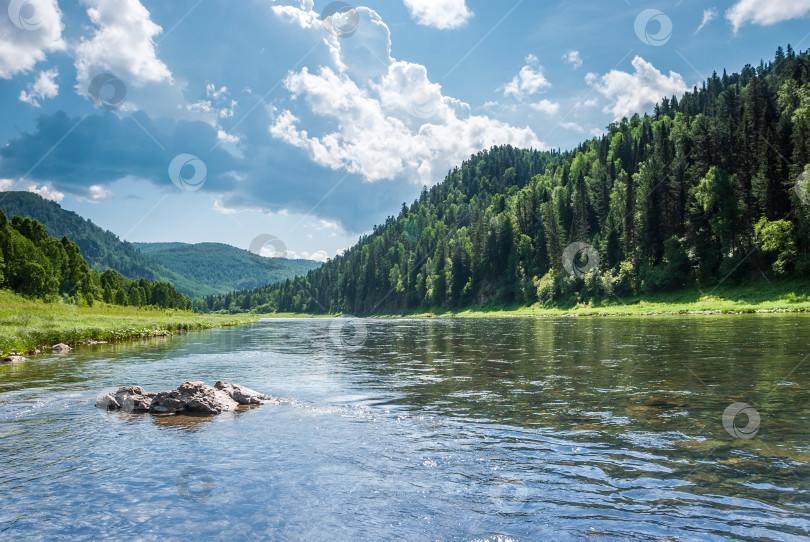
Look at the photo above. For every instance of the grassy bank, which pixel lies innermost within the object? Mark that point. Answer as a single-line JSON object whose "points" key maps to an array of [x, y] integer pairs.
{"points": [[26, 325], [791, 296]]}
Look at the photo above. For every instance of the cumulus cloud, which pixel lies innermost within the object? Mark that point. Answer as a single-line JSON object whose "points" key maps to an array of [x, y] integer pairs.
{"points": [[631, 93], [122, 43], [27, 34], [765, 13], [529, 81], [546, 106], [573, 58], [441, 14], [46, 190], [97, 193], [708, 16], [391, 120], [218, 103], [44, 87]]}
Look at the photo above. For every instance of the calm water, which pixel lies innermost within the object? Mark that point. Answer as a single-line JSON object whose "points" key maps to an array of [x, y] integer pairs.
{"points": [[513, 429]]}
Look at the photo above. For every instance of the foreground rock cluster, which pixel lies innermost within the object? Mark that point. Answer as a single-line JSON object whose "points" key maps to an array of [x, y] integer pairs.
{"points": [[190, 397]]}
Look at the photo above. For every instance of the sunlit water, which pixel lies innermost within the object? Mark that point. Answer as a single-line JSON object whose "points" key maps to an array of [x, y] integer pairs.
{"points": [[511, 429]]}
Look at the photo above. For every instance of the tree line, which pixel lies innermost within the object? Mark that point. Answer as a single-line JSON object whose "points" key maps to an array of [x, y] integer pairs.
{"points": [[36, 265], [711, 188]]}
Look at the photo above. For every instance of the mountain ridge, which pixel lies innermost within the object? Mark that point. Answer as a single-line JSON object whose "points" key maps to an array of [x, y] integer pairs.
{"points": [[104, 250]]}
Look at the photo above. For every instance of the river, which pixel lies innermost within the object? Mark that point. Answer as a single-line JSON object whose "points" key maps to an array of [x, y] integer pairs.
{"points": [[592, 429]]}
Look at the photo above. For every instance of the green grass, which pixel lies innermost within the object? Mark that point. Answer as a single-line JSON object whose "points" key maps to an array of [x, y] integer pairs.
{"points": [[793, 296], [26, 324]]}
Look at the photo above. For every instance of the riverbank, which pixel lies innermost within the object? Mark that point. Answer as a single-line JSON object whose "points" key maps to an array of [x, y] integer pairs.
{"points": [[27, 325], [791, 296], [785, 297]]}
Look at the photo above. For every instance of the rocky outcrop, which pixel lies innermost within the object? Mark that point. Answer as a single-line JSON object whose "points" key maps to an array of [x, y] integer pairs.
{"points": [[241, 394], [127, 399], [13, 358], [194, 397], [189, 398], [60, 348]]}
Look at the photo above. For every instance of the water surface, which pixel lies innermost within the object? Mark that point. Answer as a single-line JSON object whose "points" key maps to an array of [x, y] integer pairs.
{"points": [[500, 429]]}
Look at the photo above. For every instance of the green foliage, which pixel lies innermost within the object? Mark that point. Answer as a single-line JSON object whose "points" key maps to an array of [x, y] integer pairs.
{"points": [[38, 266], [672, 200], [775, 239], [223, 267]]}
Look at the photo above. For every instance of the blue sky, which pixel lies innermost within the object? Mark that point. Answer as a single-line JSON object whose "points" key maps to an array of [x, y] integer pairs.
{"points": [[313, 121]]}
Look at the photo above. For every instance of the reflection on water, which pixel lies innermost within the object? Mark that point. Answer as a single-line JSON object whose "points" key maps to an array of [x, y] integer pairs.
{"points": [[570, 429]]}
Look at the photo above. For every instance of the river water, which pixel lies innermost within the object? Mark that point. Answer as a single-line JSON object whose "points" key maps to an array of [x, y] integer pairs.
{"points": [[655, 428]]}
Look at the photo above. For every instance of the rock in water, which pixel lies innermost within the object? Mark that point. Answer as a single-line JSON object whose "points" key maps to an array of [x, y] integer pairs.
{"points": [[60, 348], [191, 397], [13, 358], [128, 399], [168, 402], [201, 397], [241, 394]]}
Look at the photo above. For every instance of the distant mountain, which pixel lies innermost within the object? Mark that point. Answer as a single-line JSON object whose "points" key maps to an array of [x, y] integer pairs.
{"points": [[224, 267], [210, 269]]}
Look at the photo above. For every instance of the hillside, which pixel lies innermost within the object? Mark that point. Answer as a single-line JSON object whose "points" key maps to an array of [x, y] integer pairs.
{"points": [[700, 194], [224, 267], [195, 272], [39, 266]]}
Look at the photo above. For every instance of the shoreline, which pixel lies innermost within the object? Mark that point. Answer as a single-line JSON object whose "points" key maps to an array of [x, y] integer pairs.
{"points": [[31, 327]]}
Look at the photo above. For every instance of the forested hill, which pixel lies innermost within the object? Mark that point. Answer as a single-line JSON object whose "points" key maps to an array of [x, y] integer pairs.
{"points": [[195, 270], [701, 192], [36, 265], [225, 267]]}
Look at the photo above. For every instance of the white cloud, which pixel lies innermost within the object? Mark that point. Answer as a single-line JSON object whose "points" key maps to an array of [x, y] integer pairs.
{"points": [[634, 93], [573, 58], [97, 193], [26, 36], [441, 14], [303, 15], [387, 120], [375, 137], [218, 103], [765, 12], [529, 81], [708, 16], [44, 87], [546, 106], [578, 128], [46, 190], [122, 43]]}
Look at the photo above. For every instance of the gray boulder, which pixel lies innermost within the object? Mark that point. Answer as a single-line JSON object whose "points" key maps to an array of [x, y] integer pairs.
{"points": [[128, 399], [206, 399], [13, 358], [195, 397], [60, 348], [191, 398], [241, 394], [168, 402]]}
